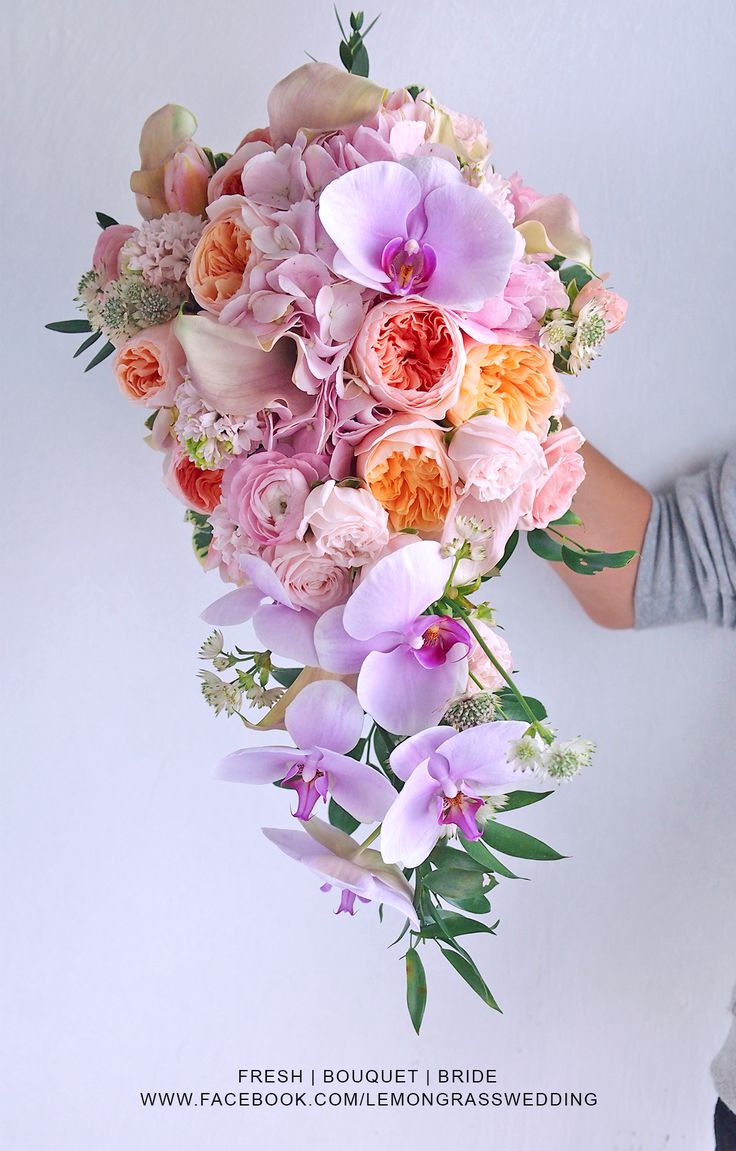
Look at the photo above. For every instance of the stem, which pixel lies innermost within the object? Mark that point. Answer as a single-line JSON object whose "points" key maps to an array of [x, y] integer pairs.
{"points": [[534, 722], [373, 835]]}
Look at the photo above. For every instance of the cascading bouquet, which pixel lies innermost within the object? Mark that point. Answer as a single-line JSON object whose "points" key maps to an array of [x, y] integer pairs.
{"points": [[349, 336]]}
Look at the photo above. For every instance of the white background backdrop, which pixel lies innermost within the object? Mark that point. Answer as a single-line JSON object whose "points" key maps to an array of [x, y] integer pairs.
{"points": [[153, 939]]}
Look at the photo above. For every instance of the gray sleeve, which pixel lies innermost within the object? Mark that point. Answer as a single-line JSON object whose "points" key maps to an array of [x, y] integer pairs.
{"points": [[687, 568]]}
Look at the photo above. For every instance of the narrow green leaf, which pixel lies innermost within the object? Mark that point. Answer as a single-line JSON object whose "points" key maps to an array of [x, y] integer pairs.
{"points": [[384, 743], [401, 934], [455, 883], [478, 850], [472, 976], [512, 708], [511, 841], [360, 65], [339, 23], [416, 988], [75, 327], [414, 90], [105, 351], [457, 925], [450, 857], [544, 545], [518, 799], [341, 818], [104, 220], [474, 904], [286, 676], [508, 550], [567, 520], [87, 344], [346, 56], [591, 562]]}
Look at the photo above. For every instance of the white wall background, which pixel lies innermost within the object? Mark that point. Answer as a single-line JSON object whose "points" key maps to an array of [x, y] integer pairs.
{"points": [[152, 939]]}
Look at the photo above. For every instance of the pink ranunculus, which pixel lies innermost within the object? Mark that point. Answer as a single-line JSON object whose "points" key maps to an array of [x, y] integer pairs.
{"points": [[106, 258], [199, 488], [265, 494], [410, 355], [552, 494], [312, 580], [614, 306], [493, 460], [227, 179], [346, 524], [479, 664], [149, 366]]}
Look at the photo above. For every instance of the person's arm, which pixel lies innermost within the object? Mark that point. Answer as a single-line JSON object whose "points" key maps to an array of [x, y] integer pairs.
{"points": [[615, 511]]}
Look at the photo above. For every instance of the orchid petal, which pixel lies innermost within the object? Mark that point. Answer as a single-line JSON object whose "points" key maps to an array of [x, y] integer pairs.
{"points": [[552, 225], [231, 375], [404, 697], [365, 209], [475, 246], [318, 97], [417, 749], [235, 607], [336, 650], [325, 714], [360, 789], [411, 827], [256, 764], [265, 579], [397, 590], [286, 632], [480, 756]]}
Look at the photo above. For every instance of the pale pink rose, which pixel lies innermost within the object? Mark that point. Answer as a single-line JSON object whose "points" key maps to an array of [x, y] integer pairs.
{"points": [[106, 258], [265, 493], [410, 355], [227, 179], [312, 580], [553, 493], [346, 523], [479, 664], [522, 196], [186, 176], [149, 366], [614, 306], [493, 460], [198, 488]]}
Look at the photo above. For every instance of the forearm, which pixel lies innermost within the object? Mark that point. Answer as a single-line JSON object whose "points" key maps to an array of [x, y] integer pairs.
{"points": [[614, 510]]}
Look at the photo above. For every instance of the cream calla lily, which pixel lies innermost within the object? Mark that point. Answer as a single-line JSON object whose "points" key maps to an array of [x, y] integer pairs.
{"points": [[553, 225], [320, 98], [166, 134]]}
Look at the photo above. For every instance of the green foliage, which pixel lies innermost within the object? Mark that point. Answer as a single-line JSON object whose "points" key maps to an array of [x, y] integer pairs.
{"points": [[513, 709], [353, 54], [584, 561], [469, 972], [202, 533], [73, 327], [511, 841], [544, 545], [341, 818], [416, 988], [286, 675], [105, 351], [104, 220], [519, 799]]}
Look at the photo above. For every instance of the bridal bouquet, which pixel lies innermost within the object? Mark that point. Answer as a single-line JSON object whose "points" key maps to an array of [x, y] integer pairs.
{"points": [[348, 336]]}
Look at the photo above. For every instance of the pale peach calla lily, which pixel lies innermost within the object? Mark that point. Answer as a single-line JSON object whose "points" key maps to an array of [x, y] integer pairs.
{"points": [[174, 172], [320, 98], [552, 225], [232, 375]]}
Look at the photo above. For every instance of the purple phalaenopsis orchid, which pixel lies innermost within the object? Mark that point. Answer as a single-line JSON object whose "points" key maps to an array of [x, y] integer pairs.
{"points": [[357, 871], [416, 227], [279, 625], [449, 775], [325, 720], [411, 665]]}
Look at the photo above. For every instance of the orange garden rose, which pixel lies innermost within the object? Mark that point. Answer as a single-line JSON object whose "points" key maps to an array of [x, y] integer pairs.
{"points": [[149, 366], [199, 488], [219, 261], [406, 467], [516, 382]]}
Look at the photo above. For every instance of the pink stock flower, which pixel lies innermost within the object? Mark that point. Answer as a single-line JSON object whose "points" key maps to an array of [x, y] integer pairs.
{"points": [[448, 778], [357, 872], [106, 257], [614, 306], [346, 524], [325, 721], [417, 228], [554, 490], [493, 460], [410, 355]]}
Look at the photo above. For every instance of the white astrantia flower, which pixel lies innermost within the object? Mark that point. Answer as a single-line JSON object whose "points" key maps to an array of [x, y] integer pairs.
{"points": [[126, 305], [161, 249], [526, 753], [208, 437], [264, 696], [212, 646], [590, 332], [221, 696], [565, 759], [558, 333]]}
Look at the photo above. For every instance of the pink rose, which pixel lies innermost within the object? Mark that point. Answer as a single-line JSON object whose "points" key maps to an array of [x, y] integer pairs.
{"points": [[106, 258], [553, 493], [149, 366], [493, 460], [227, 179], [313, 581], [410, 355], [479, 664], [614, 306], [347, 524], [265, 494]]}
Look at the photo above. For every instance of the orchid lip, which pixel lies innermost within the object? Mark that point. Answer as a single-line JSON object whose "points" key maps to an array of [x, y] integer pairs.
{"points": [[408, 263], [440, 638], [310, 785], [461, 810]]}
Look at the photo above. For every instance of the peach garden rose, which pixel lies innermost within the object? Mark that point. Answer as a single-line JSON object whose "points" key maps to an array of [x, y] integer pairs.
{"points": [[149, 367], [220, 258], [516, 382]]}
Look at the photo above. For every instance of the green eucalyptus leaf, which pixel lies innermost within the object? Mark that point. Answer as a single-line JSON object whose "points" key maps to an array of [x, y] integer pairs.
{"points": [[544, 545], [517, 799], [360, 65], [105, 351], [87, 344], [568, 519], [416, 988], [575, 274]]}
